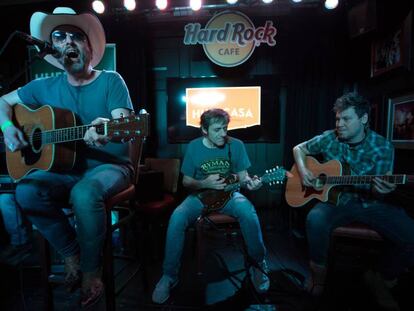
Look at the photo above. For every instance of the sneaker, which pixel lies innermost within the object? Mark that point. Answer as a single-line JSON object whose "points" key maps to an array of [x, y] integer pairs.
{"points": [[380, 291], [162, 289], [260, 280]]}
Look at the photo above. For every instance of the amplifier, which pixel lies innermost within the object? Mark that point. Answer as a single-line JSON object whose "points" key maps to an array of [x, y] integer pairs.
{"points": [[6, 184]]}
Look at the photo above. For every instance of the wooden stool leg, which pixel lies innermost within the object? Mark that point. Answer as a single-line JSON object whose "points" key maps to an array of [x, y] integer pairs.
{"points": [[108, 267], [45, 267], [200, 246]]}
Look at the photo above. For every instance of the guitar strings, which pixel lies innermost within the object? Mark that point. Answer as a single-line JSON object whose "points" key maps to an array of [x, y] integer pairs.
{"points": [[41, 136]]}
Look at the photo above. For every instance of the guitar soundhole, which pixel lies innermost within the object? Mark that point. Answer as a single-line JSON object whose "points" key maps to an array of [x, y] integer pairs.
{"points": [[320, 181], [36, 140], [31, 154]]}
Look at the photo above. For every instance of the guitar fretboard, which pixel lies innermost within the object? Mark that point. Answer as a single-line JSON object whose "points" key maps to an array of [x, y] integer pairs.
{"points": [[364, 179], [66, 134]]}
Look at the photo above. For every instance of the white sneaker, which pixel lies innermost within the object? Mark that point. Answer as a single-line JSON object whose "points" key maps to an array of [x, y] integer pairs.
{"points": [[162, 290], [260, 280]]}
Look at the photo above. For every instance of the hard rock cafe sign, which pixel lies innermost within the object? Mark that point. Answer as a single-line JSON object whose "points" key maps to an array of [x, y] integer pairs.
{"points": [[229, 37]]}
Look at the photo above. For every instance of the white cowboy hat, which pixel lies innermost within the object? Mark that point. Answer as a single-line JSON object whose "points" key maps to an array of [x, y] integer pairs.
{"points": [[42, 24]]}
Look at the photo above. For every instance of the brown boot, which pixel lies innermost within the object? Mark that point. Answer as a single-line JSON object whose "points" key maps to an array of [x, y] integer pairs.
{"points": [[73, 273], [315, 284]]}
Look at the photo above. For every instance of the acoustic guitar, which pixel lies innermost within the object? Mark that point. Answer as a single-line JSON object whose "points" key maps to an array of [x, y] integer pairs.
{"points": [[328, 175], [214, 200], [52, 134]]}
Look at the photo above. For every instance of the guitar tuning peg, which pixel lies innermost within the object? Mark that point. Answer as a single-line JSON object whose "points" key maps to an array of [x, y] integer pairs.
{"points": [[267, 171], [277, 166]]}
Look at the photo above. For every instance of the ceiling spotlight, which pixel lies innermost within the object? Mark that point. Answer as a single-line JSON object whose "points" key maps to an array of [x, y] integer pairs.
{"points": [[130, 5], [161, 4], [195, 5], [331, 4], [98, 6], [231, 1], [297, 1], [267, 1]]}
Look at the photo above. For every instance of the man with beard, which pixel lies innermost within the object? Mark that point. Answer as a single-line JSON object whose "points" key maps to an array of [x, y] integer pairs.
{"points": [[104, 168], [207, 161], [366, 153]]}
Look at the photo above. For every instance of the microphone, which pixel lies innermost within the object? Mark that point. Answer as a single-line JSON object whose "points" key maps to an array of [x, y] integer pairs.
{"points": [[45, 47]]}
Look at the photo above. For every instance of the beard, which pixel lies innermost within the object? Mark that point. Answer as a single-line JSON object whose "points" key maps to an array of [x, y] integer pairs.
{"points": [[74, 60]]}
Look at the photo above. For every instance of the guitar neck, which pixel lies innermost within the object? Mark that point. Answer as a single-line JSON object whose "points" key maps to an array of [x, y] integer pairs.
{"points": [[366, 179], [68, 134]]}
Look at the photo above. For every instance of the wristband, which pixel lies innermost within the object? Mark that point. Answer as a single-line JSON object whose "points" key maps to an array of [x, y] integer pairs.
{"points": [[5, 125]]}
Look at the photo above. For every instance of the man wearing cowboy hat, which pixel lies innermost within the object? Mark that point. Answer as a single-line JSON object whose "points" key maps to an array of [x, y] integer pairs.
{"points": [[104, 167]]}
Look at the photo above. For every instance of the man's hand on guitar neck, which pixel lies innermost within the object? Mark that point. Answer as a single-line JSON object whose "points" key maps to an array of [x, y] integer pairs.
{"points": [[382, 186], [92, 138], [251, 183]]}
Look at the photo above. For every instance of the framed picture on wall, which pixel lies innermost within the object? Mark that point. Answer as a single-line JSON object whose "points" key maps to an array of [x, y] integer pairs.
{"points": [[392, 50], [400, 129]]}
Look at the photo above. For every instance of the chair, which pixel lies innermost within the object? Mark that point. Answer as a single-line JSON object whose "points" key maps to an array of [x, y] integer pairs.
{"points": [[358, 235], [215, 220], [114, 203], [354, 231], [156, 205]]}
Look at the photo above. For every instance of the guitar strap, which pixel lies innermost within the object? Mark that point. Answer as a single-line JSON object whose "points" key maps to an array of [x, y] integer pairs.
{"points": [[205, 211], [229, 153]]}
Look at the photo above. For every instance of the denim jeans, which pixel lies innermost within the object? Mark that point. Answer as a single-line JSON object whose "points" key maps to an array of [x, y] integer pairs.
{"points": [[42, 195], [392, 222], [17, 226], [188, 212]]}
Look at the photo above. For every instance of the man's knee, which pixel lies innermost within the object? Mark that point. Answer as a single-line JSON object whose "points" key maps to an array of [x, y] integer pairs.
{"points": [[28, 193], [86, 195], [244, 209], [317, 219]]}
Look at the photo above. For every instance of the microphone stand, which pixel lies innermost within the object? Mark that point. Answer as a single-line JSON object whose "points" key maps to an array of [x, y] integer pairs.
{"points": [[13, 79]]}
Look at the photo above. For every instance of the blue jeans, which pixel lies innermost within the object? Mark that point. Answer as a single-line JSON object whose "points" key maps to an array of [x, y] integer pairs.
{"points": [[42, 195], [17, 226], [187, 213], [392, 222]]}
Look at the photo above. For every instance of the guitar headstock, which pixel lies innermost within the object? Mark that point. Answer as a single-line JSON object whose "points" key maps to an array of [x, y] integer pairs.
{"points": [[128, 128], [276, 175]]}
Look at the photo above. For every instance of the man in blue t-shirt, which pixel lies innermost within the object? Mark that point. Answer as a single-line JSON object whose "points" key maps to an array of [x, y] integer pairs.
{"points": [[104, 167], [207, 162]]}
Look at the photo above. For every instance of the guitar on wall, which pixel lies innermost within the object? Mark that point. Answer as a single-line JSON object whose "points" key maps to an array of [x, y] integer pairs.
{"points": [[328, 175], [215, 200], [52, 134]]}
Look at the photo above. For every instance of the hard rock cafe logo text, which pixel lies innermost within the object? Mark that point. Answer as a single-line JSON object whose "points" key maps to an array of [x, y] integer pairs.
{"points": [[229, 37]]}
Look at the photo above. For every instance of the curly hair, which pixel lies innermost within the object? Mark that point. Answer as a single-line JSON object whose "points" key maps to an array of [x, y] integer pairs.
{"points": [[359, 103], [213, 116]]}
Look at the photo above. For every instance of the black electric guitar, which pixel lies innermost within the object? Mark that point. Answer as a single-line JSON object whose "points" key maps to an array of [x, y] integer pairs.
{"points": [[214, 200]]}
